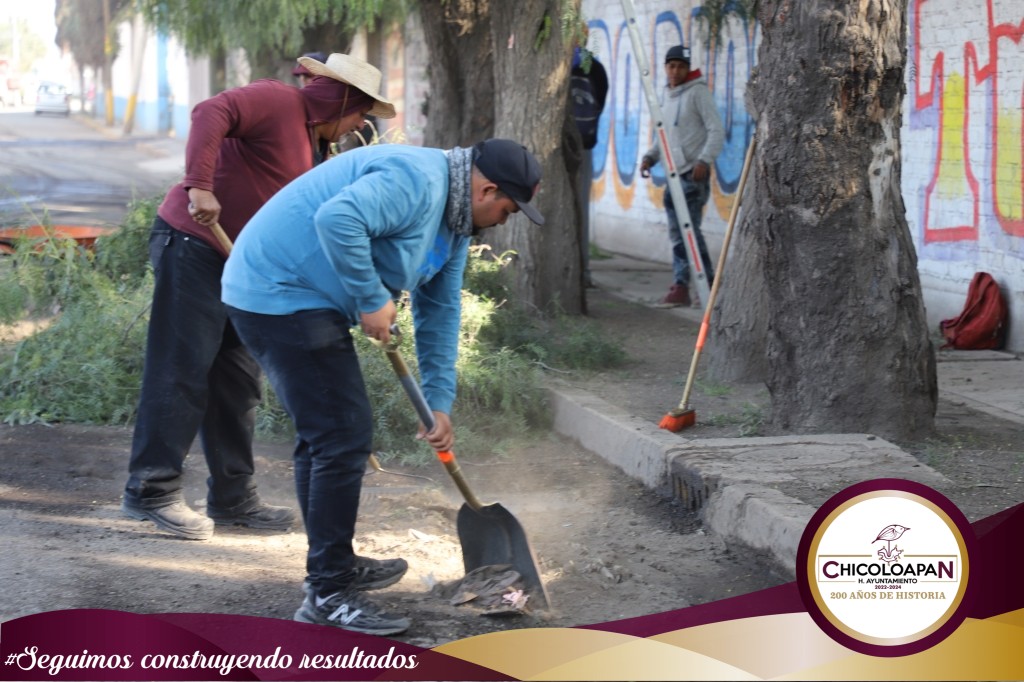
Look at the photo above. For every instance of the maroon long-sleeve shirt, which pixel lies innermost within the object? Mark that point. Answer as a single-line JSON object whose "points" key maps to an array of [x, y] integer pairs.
{"points": [[244, 145]]}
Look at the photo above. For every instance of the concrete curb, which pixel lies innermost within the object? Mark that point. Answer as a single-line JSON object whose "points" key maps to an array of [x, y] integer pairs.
{"points": [[756, 492], [760, 492], [637, 447], [752, 515]]}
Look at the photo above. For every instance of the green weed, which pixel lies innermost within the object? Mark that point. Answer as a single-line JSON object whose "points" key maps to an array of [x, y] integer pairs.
{"points": [[750, 420], [944, 448], [86, 366], [713, 389], [123, 256]]}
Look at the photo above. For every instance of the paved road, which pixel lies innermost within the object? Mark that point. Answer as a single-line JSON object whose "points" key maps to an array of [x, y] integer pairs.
{"points": [[76, 172]]}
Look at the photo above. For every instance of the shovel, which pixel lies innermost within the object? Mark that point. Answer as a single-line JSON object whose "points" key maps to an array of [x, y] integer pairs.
{"points": [[489, 534]]}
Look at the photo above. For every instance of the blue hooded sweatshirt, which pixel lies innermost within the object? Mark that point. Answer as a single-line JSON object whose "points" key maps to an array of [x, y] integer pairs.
{"points": [[352, 233]]}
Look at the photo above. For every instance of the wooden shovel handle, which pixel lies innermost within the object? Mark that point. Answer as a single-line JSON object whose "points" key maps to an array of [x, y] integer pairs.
{"points": [[221, 236], [419, 402]]}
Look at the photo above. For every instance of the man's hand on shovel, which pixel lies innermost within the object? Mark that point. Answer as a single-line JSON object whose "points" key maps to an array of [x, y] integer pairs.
{"points": [[203, 206], [205, 210], [378, 325], [441, 437]]}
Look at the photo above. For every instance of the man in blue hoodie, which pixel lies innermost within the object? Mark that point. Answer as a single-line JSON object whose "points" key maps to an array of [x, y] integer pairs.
{"points": [[330, 251], [696, 136]]}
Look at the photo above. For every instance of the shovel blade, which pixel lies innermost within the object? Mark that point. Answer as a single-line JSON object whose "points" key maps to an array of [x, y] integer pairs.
{"points": [[492, 536]]}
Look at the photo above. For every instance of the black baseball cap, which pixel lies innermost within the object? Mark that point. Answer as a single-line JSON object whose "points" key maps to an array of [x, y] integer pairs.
{"points": [[678, 52], [301, 70], [511, 167]]}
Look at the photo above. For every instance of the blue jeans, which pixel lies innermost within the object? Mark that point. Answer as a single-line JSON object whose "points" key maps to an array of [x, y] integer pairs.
{"points": [[697, 194], [311, 362], [197, 378]]}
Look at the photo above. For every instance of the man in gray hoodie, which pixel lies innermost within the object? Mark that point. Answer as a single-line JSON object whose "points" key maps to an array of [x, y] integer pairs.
{"points": [[696, 136]]}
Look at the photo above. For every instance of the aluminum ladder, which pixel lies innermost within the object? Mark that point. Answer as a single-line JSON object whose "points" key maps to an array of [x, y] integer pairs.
{"points": [[675, 186]]}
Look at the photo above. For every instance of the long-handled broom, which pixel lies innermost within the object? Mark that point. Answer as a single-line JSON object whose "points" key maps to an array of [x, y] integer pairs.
{"points": [[684, 416]]}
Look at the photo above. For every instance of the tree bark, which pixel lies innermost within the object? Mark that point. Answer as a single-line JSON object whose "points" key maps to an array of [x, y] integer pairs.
{"points": [[739, 321], [846, 344], [460, 109], [501, 69], [531, 64]]}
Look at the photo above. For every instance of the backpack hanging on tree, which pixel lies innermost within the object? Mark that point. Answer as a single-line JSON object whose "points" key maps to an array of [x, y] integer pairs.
{"points": [[982, 323], [586, 108]]}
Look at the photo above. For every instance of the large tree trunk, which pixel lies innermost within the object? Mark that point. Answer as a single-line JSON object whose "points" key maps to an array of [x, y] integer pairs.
{"points": [[531, 64], [740, 320], [460, 109], [846, 342]]}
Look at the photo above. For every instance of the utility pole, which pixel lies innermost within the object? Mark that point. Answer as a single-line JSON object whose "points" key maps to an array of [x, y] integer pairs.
{"points": [[108, 65], [139, 33]]}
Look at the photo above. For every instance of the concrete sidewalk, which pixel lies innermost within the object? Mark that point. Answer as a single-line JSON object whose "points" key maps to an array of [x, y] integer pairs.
{"points": [[164, 154], [761, 492]]}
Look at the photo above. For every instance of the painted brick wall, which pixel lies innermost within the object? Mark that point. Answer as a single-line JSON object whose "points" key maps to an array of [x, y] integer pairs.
{"points": [[963, 149], [963, 146]]}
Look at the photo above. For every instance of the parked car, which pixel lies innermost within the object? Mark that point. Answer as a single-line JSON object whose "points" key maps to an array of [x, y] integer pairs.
{"points": [[53, 98]]}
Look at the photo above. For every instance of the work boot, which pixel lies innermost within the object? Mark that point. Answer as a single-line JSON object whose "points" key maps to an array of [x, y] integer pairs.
{"points": [[350, 610], [175, 518], [678, 295], [254, 514]]}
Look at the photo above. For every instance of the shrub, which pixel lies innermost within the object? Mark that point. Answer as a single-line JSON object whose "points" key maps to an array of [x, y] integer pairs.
{"points": [[123, 256], [84, 366], [87, 365]]}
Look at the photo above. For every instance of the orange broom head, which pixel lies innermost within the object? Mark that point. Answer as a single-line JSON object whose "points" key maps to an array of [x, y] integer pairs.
{"points": [[677, 420]]}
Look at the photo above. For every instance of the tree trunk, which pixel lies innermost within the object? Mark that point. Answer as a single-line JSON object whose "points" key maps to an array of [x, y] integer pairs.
{"points": [[531, 64], [460, 110], [846, 341], [486, 60], [739, 320]]}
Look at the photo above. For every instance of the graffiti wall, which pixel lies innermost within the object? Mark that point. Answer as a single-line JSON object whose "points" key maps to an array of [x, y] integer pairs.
{"points": [[963, 149], [963, 133], [963, 146], [628, 216]]}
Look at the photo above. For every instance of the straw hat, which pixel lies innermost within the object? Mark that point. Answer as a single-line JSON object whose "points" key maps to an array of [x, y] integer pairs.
{"points": [[354, 72]]}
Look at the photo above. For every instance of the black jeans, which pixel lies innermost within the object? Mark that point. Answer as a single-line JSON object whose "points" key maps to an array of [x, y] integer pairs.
{"points": [[311, 361], [198, 378]]}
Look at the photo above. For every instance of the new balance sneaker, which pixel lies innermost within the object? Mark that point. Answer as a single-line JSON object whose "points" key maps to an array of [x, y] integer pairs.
{"points": [[255, 514], [376, 574], [175, 518], [373, 574], [350, 610]]}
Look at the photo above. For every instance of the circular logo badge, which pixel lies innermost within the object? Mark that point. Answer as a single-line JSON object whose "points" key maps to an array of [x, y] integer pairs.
{"points": [[883, 567]]}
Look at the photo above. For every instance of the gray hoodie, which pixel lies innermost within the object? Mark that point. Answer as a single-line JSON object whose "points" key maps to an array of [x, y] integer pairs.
{"points": [[695, 130]]}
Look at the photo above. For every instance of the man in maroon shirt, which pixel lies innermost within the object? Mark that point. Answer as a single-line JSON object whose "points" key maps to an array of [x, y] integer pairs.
{"points": [[244, 145]]}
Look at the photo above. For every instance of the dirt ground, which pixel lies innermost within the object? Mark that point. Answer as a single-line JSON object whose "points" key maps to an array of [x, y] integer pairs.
{"points": [[607, 547], [982, 455]]}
